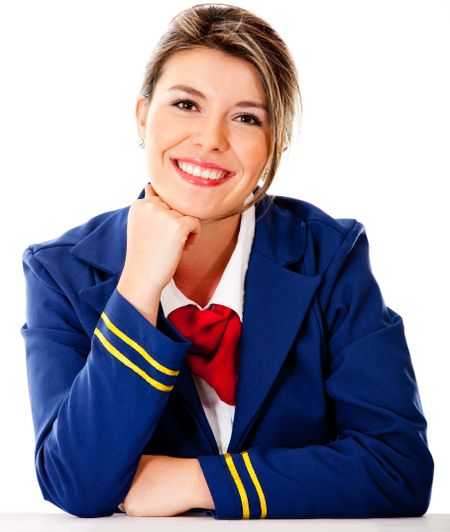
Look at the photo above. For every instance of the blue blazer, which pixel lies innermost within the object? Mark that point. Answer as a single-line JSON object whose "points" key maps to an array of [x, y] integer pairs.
{"points": [[328, 419]]}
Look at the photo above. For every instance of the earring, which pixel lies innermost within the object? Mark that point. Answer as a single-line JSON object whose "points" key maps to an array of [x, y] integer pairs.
{"points": [[141, 142]]}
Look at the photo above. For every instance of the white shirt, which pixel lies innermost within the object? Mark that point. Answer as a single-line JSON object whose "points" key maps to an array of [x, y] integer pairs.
{"points": [[230, 293]]}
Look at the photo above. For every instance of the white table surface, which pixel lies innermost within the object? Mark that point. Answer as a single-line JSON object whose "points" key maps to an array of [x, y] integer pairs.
{"points": [[193, 521]]}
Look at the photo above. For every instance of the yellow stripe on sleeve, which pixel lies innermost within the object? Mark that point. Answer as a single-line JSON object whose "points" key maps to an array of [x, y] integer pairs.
{"points": [[158, 385], [137, 347], [251, 471], [239, 484]]}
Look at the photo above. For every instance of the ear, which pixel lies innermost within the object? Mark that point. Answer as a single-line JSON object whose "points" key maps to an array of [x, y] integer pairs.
{"points": [[141, 114]]}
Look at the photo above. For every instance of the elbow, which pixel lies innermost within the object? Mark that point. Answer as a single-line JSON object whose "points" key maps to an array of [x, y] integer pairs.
{"points": [[88, 507], [78, 501], [81, 507], [77, 490], [415, 499], [420, 501], [83, 510]]}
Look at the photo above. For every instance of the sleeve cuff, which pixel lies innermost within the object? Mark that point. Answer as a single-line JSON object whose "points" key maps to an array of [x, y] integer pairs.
{"points": [[234, 486], [155, 353]]}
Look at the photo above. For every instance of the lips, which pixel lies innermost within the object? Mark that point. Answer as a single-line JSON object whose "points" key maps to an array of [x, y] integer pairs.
{"points": [[204, 164], [201, 181]]}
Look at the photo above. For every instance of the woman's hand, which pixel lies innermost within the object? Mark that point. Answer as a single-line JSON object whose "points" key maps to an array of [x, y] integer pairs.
{"points": [[166, 486], [156, 237]]}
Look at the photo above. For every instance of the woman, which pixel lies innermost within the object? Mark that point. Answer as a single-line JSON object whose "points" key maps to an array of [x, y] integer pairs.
{"points": [[140, 343]]}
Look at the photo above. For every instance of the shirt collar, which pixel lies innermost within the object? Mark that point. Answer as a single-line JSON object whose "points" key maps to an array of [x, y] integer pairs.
{"points": [[230, 290]]}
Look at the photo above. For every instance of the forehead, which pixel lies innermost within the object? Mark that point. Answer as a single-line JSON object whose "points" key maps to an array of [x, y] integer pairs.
{"points": [[214, 73]]}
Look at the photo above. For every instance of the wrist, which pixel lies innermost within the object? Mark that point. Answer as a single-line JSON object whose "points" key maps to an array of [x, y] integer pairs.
{"points": [[143, 293], [201, 494], [147, 303]]}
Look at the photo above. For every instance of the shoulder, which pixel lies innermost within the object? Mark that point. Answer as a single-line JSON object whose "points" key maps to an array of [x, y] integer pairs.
{"points": [[322, 236], [313, 215], [73, 235], [55, 258]]}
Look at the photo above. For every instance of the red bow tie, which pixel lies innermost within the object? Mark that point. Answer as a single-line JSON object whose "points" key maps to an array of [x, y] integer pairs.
{"points": [[214, 353]]}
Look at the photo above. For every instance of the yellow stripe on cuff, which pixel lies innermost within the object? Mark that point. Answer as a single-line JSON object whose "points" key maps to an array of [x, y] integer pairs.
{"points": [[137, 347], [131, 365], [251, 471], [239, 484]]}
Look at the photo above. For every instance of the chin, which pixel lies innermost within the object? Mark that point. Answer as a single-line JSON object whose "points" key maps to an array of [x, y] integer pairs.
{"points": [[199, 213], [189, 210], [190, 205]]}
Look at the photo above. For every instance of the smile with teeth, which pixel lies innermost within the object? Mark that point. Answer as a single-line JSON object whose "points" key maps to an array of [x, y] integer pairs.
{"points": [[201, 172]]}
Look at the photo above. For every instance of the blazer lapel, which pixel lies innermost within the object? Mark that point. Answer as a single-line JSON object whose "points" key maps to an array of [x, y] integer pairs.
{"points": [[276, 301]]}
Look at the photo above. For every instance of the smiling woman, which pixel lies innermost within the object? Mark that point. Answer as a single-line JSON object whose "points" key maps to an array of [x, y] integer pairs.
{"points": [[211, 126], [149, 327]]}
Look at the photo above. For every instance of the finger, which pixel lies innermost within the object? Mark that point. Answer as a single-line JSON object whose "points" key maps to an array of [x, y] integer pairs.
{"points": [[194, 232], [149, 190]]}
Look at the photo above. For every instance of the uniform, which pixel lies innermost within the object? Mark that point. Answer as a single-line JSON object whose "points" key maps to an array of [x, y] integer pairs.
{"points": [[328, 419], [230, 293]]}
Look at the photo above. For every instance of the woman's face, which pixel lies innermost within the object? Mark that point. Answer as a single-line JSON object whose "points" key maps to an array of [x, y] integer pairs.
{"points": [[223, 125]]}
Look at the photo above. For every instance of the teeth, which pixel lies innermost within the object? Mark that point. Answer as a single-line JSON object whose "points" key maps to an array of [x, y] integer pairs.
{"points": [[201, 172]]}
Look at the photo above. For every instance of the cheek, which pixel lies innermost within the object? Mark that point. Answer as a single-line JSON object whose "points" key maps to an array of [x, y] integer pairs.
{"points": [[250, 140], [254, 155], [159, 134]]}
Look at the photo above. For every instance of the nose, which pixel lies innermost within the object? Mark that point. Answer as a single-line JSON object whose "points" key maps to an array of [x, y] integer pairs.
{"points": [[211, 134]]}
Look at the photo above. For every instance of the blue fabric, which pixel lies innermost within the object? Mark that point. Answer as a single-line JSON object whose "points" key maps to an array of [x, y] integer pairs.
{"points": [[328, 418]]}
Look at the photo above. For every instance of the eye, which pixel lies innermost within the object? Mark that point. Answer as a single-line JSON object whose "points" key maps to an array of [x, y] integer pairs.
{"points": [[256, 121], [177, 102]]}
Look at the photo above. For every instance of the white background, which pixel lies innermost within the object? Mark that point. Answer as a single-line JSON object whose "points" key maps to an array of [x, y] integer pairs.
{"points": [[374, 146]]}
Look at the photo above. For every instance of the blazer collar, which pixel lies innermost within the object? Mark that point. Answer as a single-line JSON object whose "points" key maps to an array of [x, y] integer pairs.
{"points": [[105, 246], [277, 297]]}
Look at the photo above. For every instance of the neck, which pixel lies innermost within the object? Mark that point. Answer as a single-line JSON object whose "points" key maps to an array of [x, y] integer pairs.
{"points": [[207, 258]]}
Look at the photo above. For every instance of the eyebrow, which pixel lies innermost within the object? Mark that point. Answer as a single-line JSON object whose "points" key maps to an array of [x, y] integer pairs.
{"points": [[195, 92]]}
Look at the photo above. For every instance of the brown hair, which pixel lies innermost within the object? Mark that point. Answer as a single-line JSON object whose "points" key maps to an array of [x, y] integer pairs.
{"points": [[238, 32]]}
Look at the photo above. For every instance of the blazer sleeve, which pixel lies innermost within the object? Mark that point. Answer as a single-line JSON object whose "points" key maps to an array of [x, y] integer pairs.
{"points": [[379, 465], [95, 401]]}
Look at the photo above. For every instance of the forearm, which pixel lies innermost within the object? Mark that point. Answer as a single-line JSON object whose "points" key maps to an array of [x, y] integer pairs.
{"points": [[167, 485]]}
